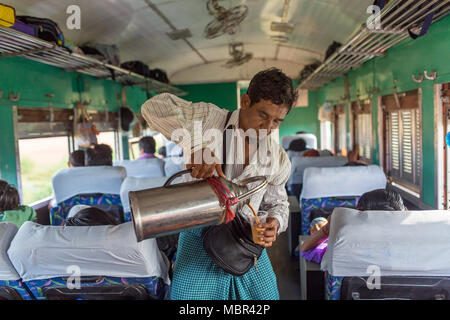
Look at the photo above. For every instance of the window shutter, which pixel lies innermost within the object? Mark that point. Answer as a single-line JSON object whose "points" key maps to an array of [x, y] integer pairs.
{"points": [[418, 147], [395, 145], [407, 139]]}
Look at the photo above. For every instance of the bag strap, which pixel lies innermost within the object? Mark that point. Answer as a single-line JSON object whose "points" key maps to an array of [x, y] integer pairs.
{"points": [[224, 146], [426, 23]]}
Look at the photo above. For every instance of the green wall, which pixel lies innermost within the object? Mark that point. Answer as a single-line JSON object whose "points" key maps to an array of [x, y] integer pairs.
{"points": [[430, 53], [223, 95]]}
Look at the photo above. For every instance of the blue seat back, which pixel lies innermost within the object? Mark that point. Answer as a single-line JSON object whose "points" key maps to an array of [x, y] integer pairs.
{"points": [[11, 286], [94, 186], [337, 187], [49, 257]]}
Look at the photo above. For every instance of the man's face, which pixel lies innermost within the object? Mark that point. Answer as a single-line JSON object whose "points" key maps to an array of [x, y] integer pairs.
{"points": [[262, 115]]}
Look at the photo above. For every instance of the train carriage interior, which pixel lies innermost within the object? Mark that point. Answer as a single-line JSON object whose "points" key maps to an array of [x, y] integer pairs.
{"points": [[373, 113]]}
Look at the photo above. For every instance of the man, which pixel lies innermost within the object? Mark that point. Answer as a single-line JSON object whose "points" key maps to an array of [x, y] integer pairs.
{"points": [[99, 155], [76, 159], [147, 147], [269, 98]]}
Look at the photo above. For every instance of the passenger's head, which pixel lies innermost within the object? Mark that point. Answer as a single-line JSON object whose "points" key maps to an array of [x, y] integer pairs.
{"points": [[311, 153], [76, 159], [147, 145], [99, 155], [381, 199], [91, 216], [269, 98], [297, 145], [9, 197], [162, 151]]}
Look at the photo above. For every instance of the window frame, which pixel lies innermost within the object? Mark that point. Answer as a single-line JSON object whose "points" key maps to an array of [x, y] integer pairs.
{"points": [[359, 109]]}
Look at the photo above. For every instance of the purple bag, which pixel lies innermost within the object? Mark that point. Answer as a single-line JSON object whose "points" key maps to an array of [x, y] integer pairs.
{"points": [[23, 27], [316, 254]]}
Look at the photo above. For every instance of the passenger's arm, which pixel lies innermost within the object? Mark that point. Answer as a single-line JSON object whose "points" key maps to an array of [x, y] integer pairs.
{"points": [[314, 240]]}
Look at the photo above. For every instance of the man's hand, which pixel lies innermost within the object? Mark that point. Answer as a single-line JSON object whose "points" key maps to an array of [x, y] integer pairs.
{"points": [[270, 234], [204, 169]]}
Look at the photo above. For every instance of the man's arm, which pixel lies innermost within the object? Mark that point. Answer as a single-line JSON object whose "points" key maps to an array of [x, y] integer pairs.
{"points": [[275, 201]]}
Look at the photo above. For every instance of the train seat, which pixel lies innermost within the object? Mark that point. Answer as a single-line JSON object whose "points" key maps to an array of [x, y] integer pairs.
{"points": [[89, 263], [173, 150], [94, 186], [11, 286], [145, 168], [299, 164], [136, 184], [388, 255], [310, 139], [173, 165], [336, 187]]}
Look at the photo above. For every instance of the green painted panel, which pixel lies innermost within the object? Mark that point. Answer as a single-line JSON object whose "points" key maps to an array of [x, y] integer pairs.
{"points": [[302, 118], [223, 94], [7, 155], [428, 145]]}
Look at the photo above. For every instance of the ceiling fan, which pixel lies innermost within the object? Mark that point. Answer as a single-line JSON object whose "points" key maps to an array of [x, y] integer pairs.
{"points": [[283, 27], [225, 20], [240, 57]]}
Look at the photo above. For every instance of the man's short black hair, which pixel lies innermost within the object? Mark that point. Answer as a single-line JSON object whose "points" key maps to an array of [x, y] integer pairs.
{"points": [[381, 199], [99, 155], [92, 217], [148, 144], [76, 158], [297, 145], [272, 84]]}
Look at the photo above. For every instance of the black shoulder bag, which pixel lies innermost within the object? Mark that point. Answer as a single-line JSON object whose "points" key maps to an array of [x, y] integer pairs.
{"points": [[230, 245]]}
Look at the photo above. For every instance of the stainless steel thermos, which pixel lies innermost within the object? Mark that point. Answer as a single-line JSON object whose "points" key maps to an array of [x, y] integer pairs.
{"points": [[174, 208]]}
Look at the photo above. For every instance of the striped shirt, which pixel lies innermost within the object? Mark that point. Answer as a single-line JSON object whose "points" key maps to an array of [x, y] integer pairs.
{"points": [[188, 125]]}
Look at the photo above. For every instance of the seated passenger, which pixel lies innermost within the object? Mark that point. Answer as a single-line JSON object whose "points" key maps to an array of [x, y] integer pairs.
{"points": [[315, 246], [311, 153], [76, 159], [297, 145], [82, 215], [99, 155], [353, 158], [300, 132], [162, 152], [10, 208], [147, 147]]}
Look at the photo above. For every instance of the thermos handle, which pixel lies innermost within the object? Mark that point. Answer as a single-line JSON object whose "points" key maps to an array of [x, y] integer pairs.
{"points": [[176, 175], [256, 189]]}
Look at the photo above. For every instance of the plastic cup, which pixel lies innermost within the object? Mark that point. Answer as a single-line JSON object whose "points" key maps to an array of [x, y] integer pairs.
{"points": [[262, 216]]}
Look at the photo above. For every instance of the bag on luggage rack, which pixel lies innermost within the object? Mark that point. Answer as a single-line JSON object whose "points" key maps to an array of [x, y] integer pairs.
{"points": [[137, 67], [103, 52], [307, 71], [159, 75], [7, 16], [415, 13], [332, 49], [45, 29]]}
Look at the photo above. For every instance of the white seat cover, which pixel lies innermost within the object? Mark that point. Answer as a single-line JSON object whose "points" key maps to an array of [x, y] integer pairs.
{"points": [[145, 168], [173, 165], [399, 243], [136, 184], [7, 232], [310, 139], [44, 252], [299, 164], [341, 181], [82, 180], [173, 150]]}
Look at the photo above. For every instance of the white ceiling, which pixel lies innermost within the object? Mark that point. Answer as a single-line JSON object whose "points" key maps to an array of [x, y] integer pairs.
{"points": [[140, 33]]}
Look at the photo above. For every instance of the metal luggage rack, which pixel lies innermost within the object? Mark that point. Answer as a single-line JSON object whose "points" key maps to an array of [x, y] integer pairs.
{"points": [[366, 43], [14, 43]]}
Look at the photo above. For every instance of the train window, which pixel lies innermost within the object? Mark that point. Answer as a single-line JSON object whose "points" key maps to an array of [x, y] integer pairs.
{"points": [[326, 135], [362, 124], [403, 134], [40, 159], [44, 136], [340, 130]]}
